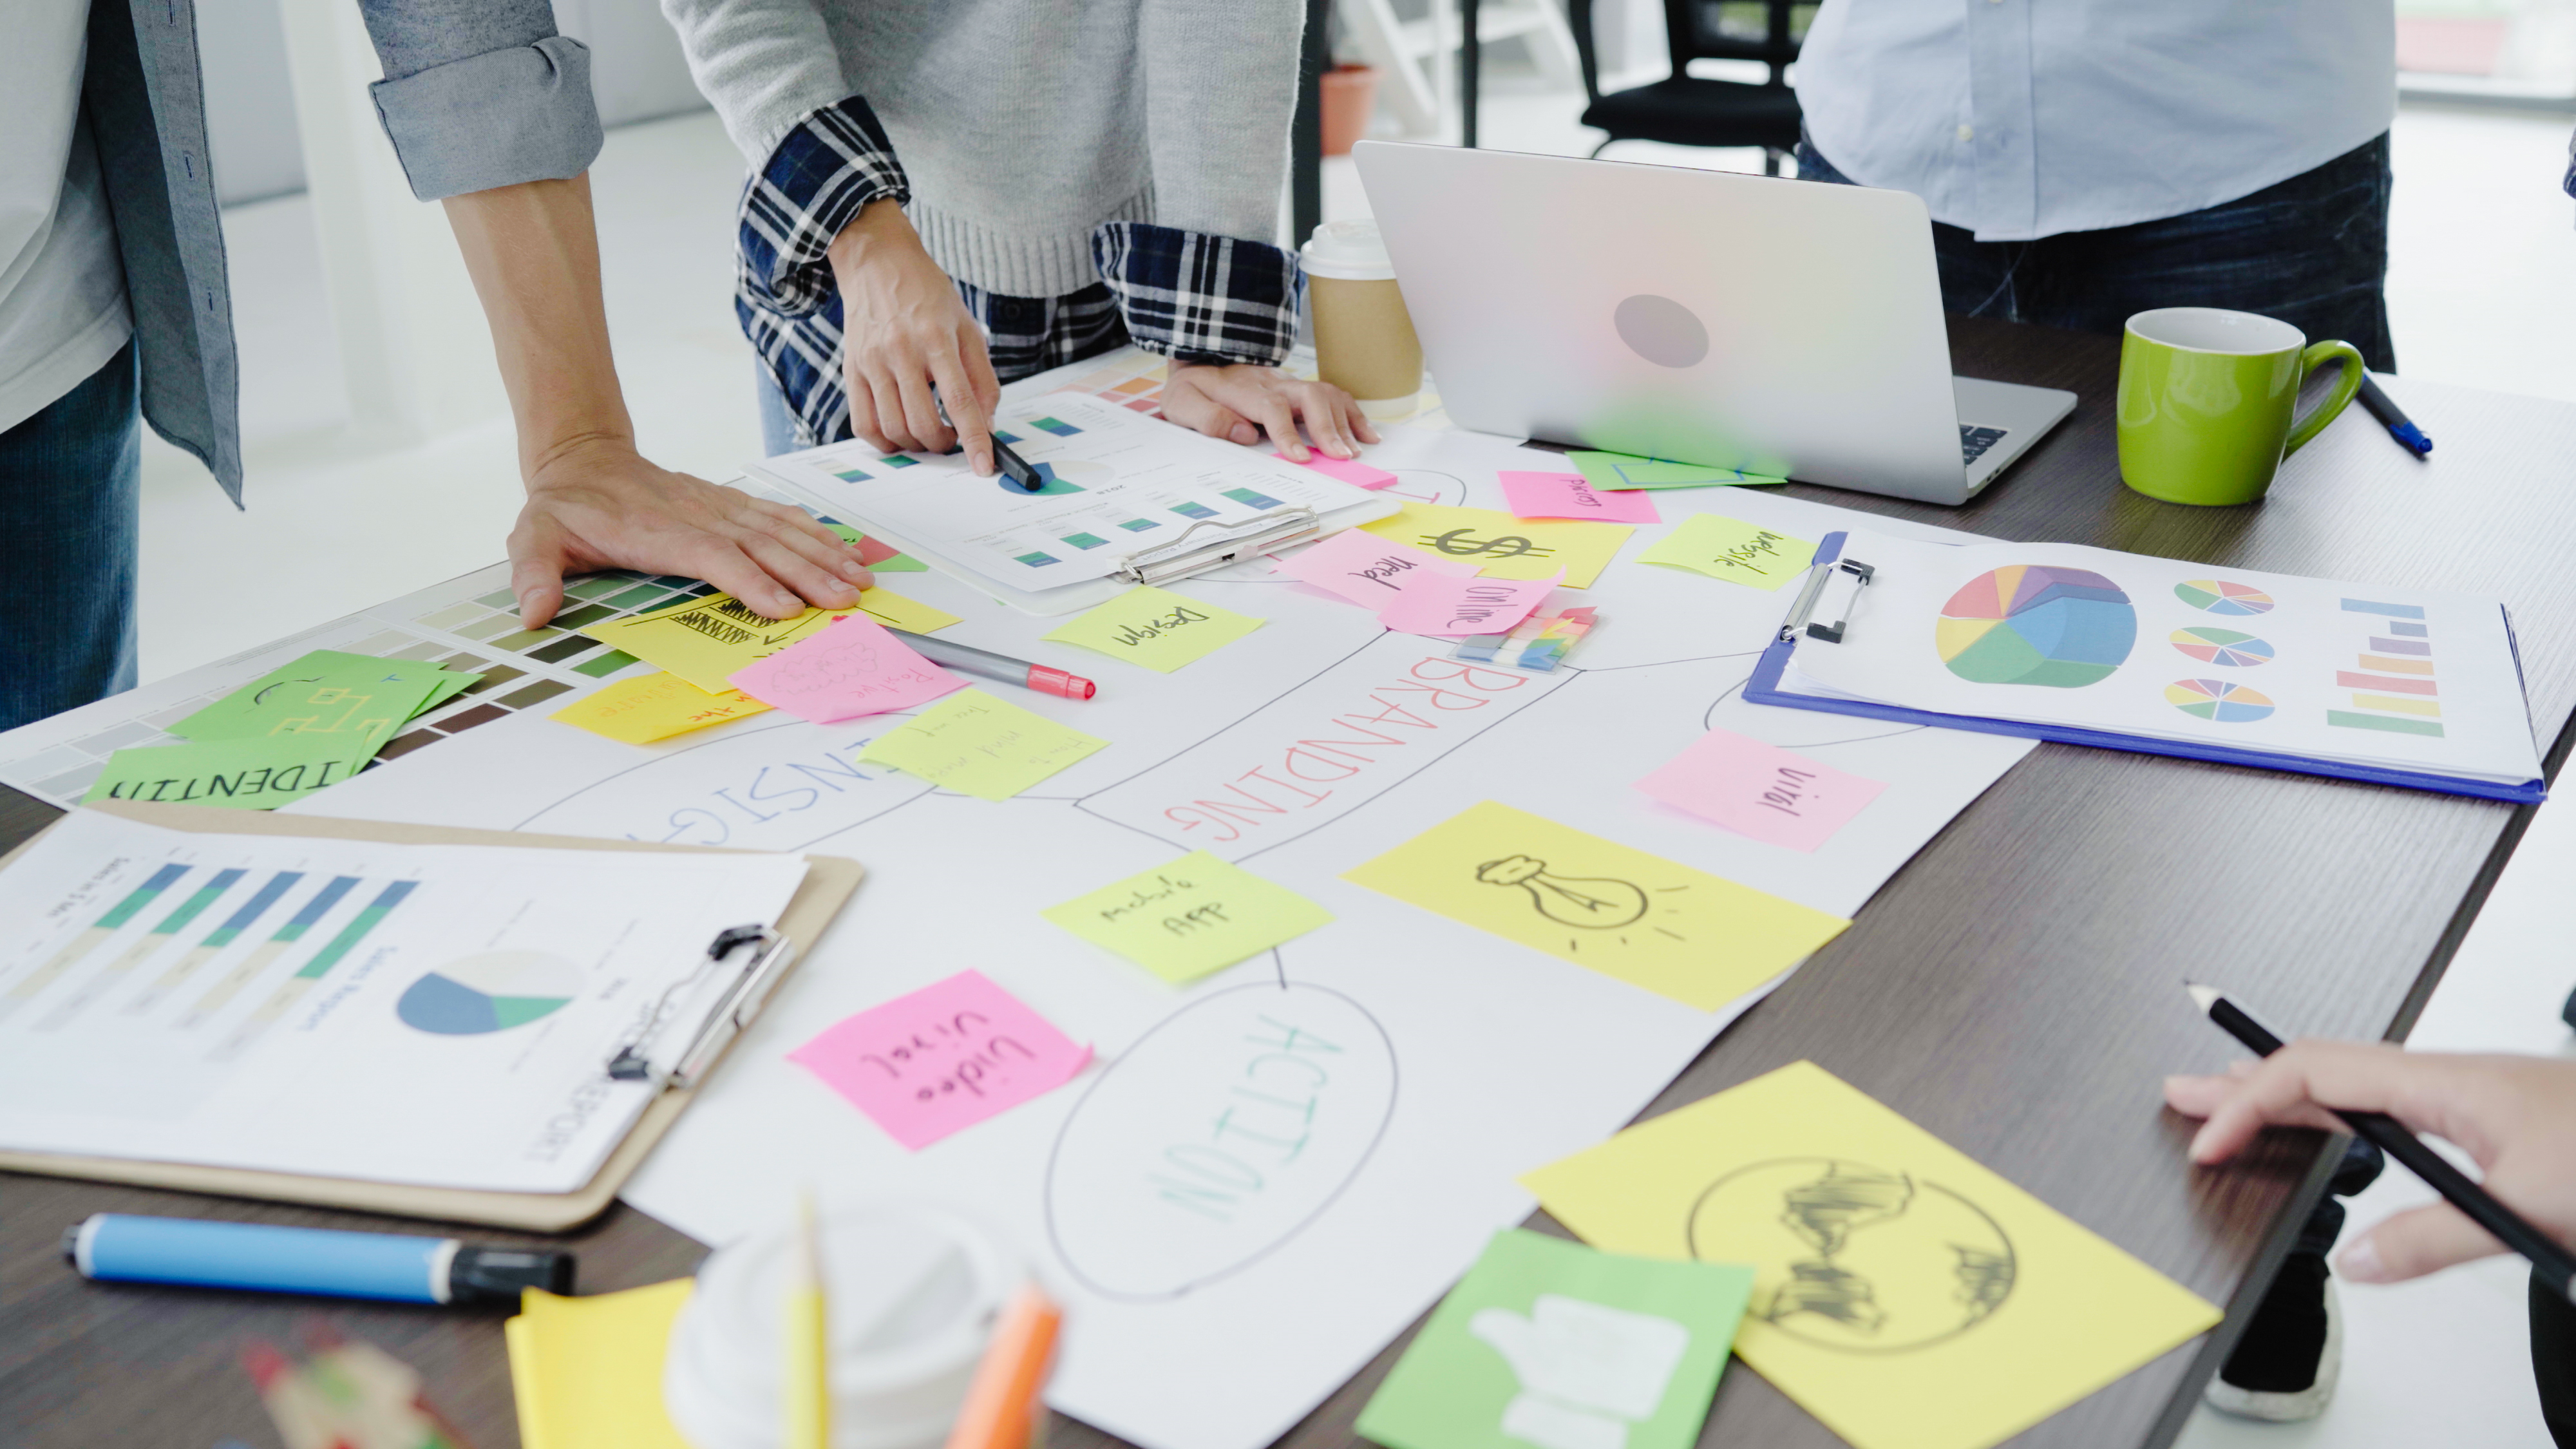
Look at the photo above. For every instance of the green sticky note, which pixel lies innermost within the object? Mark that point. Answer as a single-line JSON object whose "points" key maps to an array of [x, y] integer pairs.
{"points": [[449, 684], [1156, 628], [1733, 550], [980, 745], [258, 773], [1198, 914], [1547, 1342], [1620, 471], [357, 698]]}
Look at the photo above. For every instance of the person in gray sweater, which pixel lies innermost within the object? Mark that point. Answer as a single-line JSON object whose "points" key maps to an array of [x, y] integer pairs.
{"points": [[947, 194]]}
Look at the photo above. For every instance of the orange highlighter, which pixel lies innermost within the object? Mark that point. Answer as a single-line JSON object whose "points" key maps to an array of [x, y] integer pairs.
{"points": [[1002, 1404]]}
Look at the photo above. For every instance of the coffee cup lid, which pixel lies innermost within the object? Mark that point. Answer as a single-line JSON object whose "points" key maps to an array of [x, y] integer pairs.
{"points": [[1348, 251]]}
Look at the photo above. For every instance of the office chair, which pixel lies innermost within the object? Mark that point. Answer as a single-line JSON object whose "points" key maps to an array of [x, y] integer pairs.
{"points": [[1685, 110]]}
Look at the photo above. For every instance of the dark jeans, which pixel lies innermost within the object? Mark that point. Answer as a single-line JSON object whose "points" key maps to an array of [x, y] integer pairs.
{"points": [[2311, 251], [70, 500], [2553, 1361]]}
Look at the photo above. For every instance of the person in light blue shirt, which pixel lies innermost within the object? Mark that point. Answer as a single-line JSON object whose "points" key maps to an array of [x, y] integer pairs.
{"points": [[2086, 160]]}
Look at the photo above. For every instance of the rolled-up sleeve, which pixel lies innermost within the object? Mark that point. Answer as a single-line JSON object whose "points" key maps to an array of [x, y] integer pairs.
{"points": [[481, 93]]}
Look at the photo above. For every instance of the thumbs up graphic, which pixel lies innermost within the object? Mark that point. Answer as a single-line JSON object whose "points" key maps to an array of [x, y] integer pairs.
{"points": [[1586, 1370]]}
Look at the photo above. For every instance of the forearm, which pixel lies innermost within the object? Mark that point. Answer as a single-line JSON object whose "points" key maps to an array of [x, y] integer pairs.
{"points": [[533, 252]]}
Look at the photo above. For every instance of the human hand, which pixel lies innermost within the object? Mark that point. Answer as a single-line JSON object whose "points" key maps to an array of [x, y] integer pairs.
{"points": [[2516, 1116], [904, 330], [603, 506], [1241, 401]]}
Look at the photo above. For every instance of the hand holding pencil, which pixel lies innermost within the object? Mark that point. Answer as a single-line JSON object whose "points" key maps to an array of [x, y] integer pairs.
{"points": [[2515, 1115]]}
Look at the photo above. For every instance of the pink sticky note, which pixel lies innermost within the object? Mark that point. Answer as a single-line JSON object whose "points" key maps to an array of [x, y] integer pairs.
{"points": [[942, 1059], [854, 666], [1440, 604], [1569, 495], [1761, 790], [1349, 470], [1366, 569]]}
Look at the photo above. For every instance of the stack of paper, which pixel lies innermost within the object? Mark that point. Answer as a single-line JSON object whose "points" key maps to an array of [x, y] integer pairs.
{"points": [[284, 735]]}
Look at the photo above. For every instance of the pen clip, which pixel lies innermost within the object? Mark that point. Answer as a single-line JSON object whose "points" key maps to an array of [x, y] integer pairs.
{"points": [[733, 1009]]}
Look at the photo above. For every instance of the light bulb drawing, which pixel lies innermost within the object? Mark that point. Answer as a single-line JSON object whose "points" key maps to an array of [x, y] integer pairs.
{"points": [[1593, 904]]}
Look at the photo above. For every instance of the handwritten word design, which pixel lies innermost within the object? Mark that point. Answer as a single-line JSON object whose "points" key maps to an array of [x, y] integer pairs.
{"points": [[942, 1059]]}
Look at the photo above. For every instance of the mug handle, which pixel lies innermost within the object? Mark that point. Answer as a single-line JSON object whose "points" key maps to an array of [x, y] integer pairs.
{"points": [[2336, 401]]}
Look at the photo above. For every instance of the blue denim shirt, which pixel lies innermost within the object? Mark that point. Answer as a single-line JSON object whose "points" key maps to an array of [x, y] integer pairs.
{"points": [[476, 94]]}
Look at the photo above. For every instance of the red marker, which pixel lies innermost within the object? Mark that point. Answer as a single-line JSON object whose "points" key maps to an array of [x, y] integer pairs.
{"points": [[967, 659]]}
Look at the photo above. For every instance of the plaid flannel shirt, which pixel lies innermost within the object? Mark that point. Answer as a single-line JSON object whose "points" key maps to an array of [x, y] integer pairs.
{"points": [[1187, 295]]}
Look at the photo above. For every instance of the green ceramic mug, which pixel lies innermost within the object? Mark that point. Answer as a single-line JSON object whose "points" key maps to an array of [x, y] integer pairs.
{"points": [[2205, 401]]}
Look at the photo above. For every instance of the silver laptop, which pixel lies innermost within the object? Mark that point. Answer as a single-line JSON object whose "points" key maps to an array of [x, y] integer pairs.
{"points": [[1781, 327]]}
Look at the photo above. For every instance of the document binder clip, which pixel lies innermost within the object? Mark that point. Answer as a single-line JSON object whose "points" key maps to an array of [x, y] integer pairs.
{"points": [[1859, 573], [734, 1008], [1181, 557]]}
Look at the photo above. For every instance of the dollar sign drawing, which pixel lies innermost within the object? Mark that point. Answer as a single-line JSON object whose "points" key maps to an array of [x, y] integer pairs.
{"points": [[1463, 542]]}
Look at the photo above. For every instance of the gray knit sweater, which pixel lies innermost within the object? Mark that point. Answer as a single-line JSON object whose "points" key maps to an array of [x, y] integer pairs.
{"points": [[1024, 124]]}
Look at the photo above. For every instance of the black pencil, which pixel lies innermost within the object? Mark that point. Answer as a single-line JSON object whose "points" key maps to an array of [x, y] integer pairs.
{"points": [[2554, 1264]]}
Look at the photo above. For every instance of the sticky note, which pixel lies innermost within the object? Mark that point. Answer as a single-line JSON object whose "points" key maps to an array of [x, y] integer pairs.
{"points": [[1733, 550], [587, 1371], [1156, 628], [1364, 568], [1675, 931], [655, 707], [448, 684], [1505, 547], [1198, 914], [259, 773], [942, 1059], [1902, 1293], [1761, 790], [358, 698], [1349, 470], [705, 641], [849, 668], [1569, 495], [1621, 471], [1443, 605], [974, 743], [1553, 1344]]}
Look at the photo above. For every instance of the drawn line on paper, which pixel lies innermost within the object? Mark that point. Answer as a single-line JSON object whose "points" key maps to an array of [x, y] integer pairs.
{"points": [[1708, 721]]}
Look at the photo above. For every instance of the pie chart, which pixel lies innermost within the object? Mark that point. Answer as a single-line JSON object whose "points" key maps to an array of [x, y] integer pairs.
{"points": [[2223, 647], [2217, 596], [2219, 700], [2036, 624], [490, 992]]}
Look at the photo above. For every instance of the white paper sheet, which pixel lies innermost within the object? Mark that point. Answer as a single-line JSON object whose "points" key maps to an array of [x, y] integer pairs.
{"points": [[429, 1014], [1203, 1315], [2406, 678]]}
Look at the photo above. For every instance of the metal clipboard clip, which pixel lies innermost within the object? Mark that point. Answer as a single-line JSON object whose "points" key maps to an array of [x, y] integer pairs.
{"points": [[733, 1009], [1181, 558], [1813, 594]]}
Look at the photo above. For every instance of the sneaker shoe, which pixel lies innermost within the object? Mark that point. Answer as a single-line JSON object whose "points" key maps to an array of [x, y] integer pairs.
{"points": [[2284, 1368]]}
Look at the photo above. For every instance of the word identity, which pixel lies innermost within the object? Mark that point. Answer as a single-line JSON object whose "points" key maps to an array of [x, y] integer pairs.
{"points": [[942, 1059], [1198, 914]]}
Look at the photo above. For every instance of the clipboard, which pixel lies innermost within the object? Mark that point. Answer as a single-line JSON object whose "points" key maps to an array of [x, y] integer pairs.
{"points": [[829, 880], [1823, 609]]}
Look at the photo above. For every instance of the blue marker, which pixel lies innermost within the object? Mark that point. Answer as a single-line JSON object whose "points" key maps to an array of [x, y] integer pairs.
{"points": [[125, 1248], [2399, 426]]}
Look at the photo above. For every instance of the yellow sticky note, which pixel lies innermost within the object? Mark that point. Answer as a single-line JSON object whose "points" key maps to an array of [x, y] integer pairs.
{"points": [[1733, 550], [588, 1371], [1156, 628], [707, 641], [1903, 1294], [1675, 931], [1505, 547], [972, 742], [656, 707], [1198, 914]]}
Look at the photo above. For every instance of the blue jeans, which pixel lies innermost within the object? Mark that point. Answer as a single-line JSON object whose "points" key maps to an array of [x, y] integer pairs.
{"points": [[2311, 251], [70, 502]]}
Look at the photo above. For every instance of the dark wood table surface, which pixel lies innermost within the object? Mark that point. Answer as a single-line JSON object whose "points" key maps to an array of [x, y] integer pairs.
{"points": [[2016, 989]]}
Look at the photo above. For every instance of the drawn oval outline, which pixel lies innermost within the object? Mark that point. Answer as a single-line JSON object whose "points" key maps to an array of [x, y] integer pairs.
{"points": [[732, 787], [1227, 1129]]}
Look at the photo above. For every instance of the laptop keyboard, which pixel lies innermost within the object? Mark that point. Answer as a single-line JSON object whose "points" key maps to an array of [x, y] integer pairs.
{"points": [[1973, 442]]}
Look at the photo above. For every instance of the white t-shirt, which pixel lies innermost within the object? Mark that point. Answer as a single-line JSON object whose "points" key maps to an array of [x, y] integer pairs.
{"points": [[63, 312], [2020, 119]]}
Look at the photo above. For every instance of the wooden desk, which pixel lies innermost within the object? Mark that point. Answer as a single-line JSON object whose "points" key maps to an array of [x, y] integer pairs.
{"points": [[2016, 989]]}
